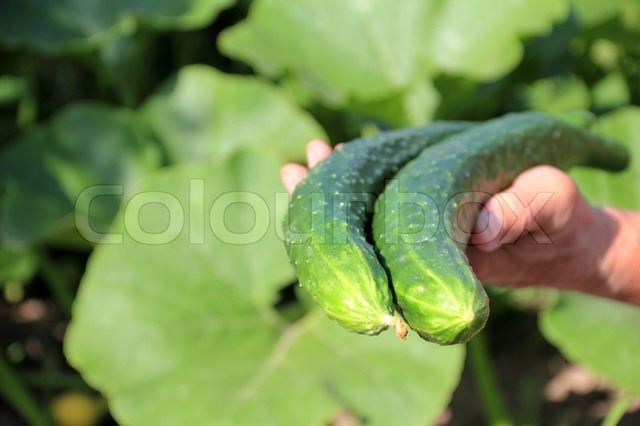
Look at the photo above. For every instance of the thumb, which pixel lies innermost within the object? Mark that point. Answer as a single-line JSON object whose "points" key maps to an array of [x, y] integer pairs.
{"points": [[540, 201]]}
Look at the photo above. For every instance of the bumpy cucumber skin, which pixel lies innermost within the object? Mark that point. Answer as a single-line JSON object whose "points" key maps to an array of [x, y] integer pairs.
{"points": [[327, 244], [437, 292]]}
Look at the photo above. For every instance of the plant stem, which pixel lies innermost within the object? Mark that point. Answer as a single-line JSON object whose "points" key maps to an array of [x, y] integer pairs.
{"points": [[618, 410], [18, 395], [28, 104], [490, 395], [57, 283]]}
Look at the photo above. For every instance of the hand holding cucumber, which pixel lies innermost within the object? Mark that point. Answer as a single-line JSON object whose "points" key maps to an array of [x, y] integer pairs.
{"points": [[593, 249], [437, 233]]}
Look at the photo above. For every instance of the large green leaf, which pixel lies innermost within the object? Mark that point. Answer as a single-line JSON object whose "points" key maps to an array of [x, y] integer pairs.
{"points": [[599, 333], [181, 331], [360, 48], [370, 50], [202, 113], [71, 173], [489, 47], [52, 25]]}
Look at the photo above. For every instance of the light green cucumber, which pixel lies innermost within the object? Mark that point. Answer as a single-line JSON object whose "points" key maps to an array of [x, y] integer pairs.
{"points": [[420, 235], [325, 233]]}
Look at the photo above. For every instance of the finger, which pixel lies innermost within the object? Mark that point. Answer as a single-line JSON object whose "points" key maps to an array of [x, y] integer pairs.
{"points": [[339, 146], [540, 201], [496, 268], [291, 175], [317, 151]]}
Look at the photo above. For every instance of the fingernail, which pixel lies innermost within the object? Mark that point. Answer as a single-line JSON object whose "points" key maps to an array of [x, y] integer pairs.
{"points": [[287, 180]]}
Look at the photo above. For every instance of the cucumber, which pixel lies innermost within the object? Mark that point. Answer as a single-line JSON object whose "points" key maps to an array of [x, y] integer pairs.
{"points": [[417, 230], [325, 233]]}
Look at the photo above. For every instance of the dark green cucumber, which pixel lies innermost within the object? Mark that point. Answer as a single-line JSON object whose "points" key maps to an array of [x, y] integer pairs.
{"points": [[417, 228], [325, 232]]}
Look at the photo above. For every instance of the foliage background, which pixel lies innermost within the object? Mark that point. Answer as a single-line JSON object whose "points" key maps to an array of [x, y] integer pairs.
{"points": [[199, 99]]}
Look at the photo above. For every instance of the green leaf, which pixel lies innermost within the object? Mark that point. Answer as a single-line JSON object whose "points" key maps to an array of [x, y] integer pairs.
{"points": [[616, 189], [11, 88], [371, 50], [52, 25], [365, 49], [71, 173], [600, 334], [413, 107], [183, 332], [202, 114], [559, 95], [18, 265], [490, 47], [611, 92], [593, 12]]}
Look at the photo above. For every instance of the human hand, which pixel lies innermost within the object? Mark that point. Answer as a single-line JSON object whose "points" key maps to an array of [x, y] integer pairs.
{"points": [[540, 231]]}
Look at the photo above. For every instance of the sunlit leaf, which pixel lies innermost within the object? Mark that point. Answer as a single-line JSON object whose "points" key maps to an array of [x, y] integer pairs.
{"points": [[610, 92], [489, 47], [600, 334], [364, 49], [616, 189], [202, 114], [182, 331], [415, 106], [559, 95], [369, 50]]}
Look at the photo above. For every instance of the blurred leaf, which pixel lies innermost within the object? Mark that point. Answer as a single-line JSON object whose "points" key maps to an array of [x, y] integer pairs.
{"points": [[191, 329], [558, 95], [489, 47], [630, 15], [524, 299], [11, 88], [619, 189], [51, 25], [605, 54], [204, 114], [19, 265], [365, 49], [33, 203], [413, 107], [593, 12], [465, 99], [55, 176], [598, 333], [610, 92], [375, 50], [623, 35]]}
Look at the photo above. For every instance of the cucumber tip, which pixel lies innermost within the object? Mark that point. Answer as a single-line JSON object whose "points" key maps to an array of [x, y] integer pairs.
{"points": [[400, 326]]}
